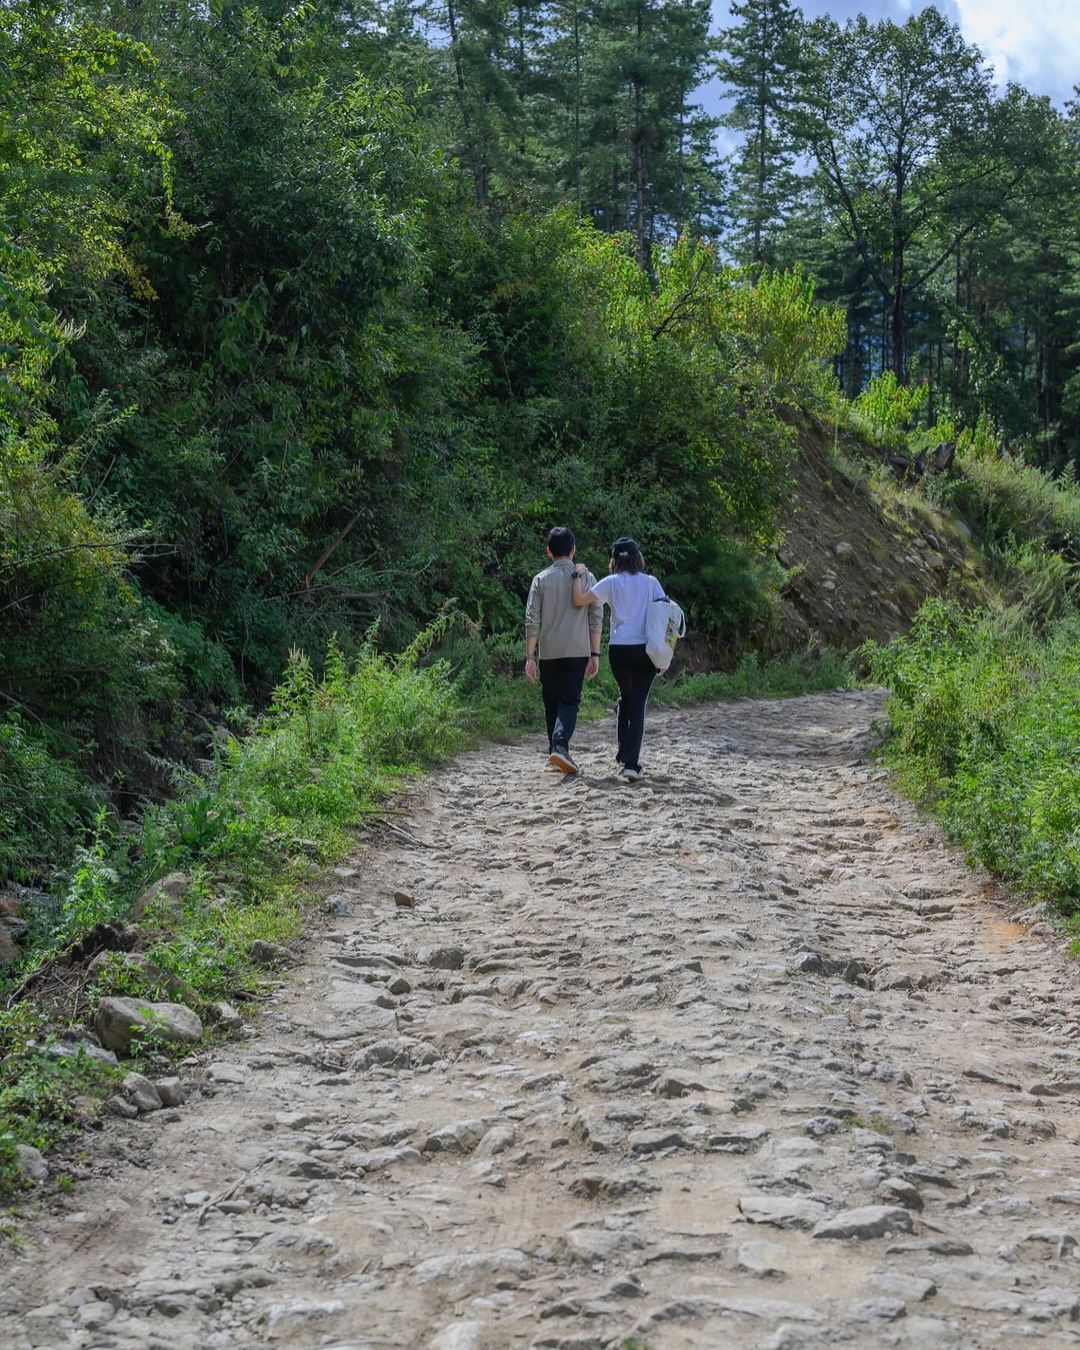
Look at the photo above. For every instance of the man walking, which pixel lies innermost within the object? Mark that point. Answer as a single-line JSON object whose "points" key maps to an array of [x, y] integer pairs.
{"points": [[567, 640]]}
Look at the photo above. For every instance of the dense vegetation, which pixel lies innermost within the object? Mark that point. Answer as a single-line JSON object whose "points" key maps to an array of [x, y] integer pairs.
{"points": [[271, 373]]}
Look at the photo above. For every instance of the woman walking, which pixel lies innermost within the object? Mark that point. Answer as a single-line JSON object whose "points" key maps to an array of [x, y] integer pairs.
{"points": [[629, 591]]}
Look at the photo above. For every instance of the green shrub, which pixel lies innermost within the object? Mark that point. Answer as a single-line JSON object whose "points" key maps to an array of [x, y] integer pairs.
{"points": [[808, 672], [886, 404], [789, 335]]}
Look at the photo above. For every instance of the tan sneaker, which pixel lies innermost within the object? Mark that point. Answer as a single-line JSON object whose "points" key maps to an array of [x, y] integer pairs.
{"points": [[561, 759]]}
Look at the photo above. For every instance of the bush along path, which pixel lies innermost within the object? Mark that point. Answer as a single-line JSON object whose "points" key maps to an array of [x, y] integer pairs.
{"points": [[742, 1055]]}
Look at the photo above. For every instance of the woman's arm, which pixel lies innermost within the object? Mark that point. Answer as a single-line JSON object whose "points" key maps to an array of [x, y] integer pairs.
{"points": [[580, 596]]}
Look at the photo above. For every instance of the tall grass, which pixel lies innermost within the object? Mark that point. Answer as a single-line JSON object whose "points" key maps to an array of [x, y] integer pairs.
{"points": [[251, 832], [1008, 500]]}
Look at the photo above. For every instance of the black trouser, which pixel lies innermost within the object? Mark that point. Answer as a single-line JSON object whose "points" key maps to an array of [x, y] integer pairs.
{"points": [[561, 680], [634, 674]]}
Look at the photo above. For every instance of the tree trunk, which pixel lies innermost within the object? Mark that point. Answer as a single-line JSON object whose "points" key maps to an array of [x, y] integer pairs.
{"points": [[577, 106], [521, 78], [679, 185], [898, 336], [639, 158], [757, 244]]}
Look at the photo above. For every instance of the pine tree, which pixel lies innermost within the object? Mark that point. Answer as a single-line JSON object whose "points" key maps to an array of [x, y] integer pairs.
{"points": [[648, 143], [761, 52]]}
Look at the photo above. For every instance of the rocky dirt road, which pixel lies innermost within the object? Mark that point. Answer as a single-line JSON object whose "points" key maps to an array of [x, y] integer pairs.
{"points": [[741, 1056]]}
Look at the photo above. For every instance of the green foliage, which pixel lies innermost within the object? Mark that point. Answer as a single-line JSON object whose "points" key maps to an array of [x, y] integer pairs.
{"points": [[984, 720], [272, 368], [885, 404], [44, 802], [809, 672], [760, 56], [268, 809], [790, 336], [43, 1094]]}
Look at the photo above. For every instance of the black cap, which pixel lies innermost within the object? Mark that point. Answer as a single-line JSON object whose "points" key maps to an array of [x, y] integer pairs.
{"points": [[624, 548]]}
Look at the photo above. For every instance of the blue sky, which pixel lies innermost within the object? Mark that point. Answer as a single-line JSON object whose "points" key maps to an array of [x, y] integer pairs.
{"points": [[1036, 42]]}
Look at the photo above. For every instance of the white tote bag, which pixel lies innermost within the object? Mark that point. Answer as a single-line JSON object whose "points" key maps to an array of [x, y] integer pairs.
{"points": [[665, 624]]}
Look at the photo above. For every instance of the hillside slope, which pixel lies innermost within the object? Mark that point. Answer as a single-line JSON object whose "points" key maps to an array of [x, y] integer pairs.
{"points": [[862, 554]]}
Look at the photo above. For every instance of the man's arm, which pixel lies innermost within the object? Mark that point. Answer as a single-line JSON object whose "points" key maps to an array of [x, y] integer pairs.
{"points": [[533, 610]]}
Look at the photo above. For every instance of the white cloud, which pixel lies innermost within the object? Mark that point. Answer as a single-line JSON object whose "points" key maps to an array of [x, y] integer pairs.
{"points": [[1036, 42]]}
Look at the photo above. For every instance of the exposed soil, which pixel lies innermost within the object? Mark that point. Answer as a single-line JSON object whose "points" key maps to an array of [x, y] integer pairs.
{"points": [[860, 564], [740, 1056]]}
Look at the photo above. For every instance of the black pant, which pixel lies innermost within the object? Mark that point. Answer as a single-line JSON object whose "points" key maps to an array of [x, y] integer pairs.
{"points": [[561, 681], [634, 674]]}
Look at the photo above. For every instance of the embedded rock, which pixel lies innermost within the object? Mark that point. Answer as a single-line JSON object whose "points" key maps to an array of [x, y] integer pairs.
{"points": [[441, 958], [165, 896], [871, 1221], [782, 1211], [268, 954], [465, 1274]]}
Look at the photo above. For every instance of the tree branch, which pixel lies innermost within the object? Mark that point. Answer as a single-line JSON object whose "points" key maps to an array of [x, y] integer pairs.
{"points": [[683, 303]]}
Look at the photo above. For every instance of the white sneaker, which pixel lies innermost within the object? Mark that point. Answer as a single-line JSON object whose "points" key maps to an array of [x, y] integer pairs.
{"points": [[633, 775]]}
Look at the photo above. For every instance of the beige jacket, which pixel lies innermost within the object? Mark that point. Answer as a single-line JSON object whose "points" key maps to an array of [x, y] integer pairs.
{"points": [[550, 615]]}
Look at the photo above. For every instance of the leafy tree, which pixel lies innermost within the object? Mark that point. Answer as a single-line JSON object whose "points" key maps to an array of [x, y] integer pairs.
{"points": [[912, 151]]}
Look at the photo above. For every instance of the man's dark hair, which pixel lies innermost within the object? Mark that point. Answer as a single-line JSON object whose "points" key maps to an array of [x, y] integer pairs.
{"points": [[561, 541], [626, 556]]}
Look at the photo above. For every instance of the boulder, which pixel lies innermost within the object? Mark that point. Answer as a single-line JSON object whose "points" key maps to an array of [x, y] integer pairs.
{"points": [[441, 958], [135, 963], [11, 903], [7, 947], [171, 1090], [30, 1164], [119, 1020], [72, 1048], [224, 1015], [166, 895], [221, 1072], [870, 1221], [141, 1093]]}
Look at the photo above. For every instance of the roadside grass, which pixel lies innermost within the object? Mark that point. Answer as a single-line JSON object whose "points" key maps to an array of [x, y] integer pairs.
{"points": [[255, 829], [984, 720]]}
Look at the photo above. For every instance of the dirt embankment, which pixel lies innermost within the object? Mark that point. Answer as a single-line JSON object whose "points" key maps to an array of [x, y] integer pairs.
{"points": [[860, 561]]}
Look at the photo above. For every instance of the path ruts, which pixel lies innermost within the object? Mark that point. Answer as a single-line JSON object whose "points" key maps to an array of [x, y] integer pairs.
{"points": [[741, 1056]]}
